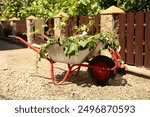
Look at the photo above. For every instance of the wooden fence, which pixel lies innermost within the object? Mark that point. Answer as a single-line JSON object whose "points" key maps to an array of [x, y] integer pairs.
{"points": [[134, 34], [20, 28], [7, 29], [69, 30]]}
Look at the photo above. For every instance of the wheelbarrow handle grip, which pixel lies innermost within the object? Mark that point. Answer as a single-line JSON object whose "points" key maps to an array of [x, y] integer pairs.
{"points": [[11, 36]]}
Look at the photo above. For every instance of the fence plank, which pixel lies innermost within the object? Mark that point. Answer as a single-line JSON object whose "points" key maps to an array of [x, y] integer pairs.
{"points": [[97, 24], [147, 41], [122, 21], [49, 30], [130, 38], [7, 29], [69, 28], [95, 28], [83, 20], [139, 39], [21, 28]]}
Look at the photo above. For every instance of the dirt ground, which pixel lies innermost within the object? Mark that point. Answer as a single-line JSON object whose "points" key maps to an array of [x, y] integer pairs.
{"points": [[23, 78]]}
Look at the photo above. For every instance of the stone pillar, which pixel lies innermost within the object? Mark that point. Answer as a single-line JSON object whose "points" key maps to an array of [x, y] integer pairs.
{"points": [[110, 23], [57, 24], [39, 26], [30, 22], [13, 25], [110, 19]]}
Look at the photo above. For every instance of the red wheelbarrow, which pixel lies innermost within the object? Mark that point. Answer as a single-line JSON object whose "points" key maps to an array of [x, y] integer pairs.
{"points": [[100, 68]]}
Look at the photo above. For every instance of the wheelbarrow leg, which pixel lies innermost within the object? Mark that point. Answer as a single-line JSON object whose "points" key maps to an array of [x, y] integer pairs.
{"points": [[76, 69], [52, 74]]}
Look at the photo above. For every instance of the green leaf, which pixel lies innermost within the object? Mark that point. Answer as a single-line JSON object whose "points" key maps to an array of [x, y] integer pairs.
{"points": [[73, 49], [91, 45], [94, 5], [66, 49], [83, 43]]}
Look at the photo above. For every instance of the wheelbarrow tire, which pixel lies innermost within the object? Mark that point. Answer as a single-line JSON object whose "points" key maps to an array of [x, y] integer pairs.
{"points": [[101, 77]]}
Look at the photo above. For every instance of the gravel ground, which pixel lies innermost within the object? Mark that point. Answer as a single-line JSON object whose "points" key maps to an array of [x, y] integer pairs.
{"points": [[21, 77]]}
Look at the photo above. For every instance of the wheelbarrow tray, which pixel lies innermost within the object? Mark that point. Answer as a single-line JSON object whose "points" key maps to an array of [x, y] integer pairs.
{"points": [[56, 53]]}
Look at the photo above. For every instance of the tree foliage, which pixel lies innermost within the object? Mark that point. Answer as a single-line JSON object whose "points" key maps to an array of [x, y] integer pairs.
{"points": [[134, 5], [49, 8], [25, 8]]}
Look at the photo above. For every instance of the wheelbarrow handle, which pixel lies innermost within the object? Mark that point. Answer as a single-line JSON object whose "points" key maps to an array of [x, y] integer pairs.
{"points": [[26, 43], [45, 37]]}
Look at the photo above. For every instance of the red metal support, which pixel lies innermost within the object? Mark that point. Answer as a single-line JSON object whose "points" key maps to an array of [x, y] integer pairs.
{"points": [[65, 77], [45, 37], [77, 72], [116, 55], [69, 72]]}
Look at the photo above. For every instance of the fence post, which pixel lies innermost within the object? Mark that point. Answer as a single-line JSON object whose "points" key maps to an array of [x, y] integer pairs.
{"points": [[13, 25], [30, 22], [57, 24], [39, 26], [110, 21]]}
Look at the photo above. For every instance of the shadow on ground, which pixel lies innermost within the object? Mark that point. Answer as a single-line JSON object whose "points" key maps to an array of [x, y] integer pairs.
{"points": [[83, 79], [4, 97], [9, 45], [139, 75]]}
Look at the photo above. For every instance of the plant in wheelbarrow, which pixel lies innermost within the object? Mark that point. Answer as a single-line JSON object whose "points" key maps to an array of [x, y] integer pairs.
{"points": [[100, 68]]}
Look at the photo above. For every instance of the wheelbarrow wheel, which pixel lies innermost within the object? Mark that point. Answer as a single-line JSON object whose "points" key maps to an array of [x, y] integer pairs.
{"points": [[100, 76]]}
